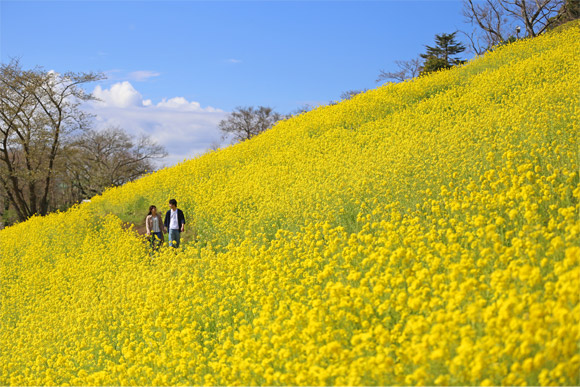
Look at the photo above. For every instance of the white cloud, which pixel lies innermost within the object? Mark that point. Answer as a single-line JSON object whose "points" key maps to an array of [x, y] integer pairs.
{"points": [[142, 75], [185, 128], [121, 94], [180, 103], [234, 61]]}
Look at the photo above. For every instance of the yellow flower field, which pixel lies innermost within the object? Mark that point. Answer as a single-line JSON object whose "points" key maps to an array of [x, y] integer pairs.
{"points": [[426, 232]]}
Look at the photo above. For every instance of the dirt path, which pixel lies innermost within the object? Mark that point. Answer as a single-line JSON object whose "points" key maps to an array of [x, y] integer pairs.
{"points": [[140, 229]]}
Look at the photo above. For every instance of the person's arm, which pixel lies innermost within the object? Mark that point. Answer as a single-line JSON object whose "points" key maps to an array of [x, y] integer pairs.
{"points": [[166, 222], [147, 224], [182, 221]]}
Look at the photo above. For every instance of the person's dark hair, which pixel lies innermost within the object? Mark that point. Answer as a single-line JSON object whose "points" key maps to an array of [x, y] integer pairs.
{"points": [[174, 202], [151, 208]]}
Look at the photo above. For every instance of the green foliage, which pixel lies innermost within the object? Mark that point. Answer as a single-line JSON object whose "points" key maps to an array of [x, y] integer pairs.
{"points": [[443, 55], [433, 64]]}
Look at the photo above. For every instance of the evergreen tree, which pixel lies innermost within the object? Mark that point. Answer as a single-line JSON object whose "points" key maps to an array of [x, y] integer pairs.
{"points": [[444, 54]]}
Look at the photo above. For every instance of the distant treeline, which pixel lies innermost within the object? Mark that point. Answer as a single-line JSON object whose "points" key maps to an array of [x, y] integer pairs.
{"points": [[50, 156]]}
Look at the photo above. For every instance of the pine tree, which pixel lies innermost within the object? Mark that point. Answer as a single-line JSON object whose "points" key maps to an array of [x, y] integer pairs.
{"points": [[443, 55]]}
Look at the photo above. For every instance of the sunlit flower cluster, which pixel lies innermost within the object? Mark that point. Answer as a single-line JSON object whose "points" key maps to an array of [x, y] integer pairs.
{"points": [[426, 232]]}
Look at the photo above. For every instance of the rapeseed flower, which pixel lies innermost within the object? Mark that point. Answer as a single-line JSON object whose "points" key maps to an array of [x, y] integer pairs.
{"points": [[425, 232]]}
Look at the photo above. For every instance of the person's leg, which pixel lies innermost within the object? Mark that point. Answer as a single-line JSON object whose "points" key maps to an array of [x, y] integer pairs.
{"points": [[170, 237], [177, 237], [174, 237]]}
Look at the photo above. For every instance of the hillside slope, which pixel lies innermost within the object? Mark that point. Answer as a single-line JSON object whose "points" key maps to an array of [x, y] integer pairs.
{"points": [[421, 233]]}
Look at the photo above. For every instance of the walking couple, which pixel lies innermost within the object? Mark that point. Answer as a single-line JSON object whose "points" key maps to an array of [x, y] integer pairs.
{"points": [[174, 225]]}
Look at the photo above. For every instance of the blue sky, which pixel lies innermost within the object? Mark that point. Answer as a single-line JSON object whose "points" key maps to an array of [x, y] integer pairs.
{"points": [[209, 57]]}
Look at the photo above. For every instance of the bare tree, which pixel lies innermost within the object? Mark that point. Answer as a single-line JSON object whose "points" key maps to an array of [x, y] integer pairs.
{"points": [[302, 109], [351, 93], [111, 157], [496, 18], [4, 207], [246, 122], [536, 15], [37, 110], [215, 145], [407, 69], [491, 20], [478, 43], [569, 11]]}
